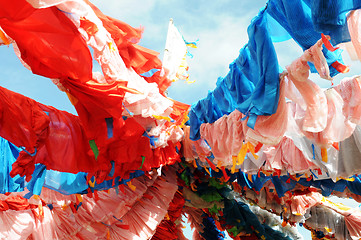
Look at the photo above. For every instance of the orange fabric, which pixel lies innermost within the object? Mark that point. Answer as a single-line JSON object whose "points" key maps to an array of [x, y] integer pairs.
{"points": [[180, 112], [47, 31]]}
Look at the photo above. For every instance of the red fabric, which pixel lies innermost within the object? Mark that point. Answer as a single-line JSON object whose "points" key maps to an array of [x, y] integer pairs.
{"points": [[94, 102], [22, 121], [15, 10], [48, 31], [59, 138], [127, 149], [66, 148], [24, 124], [90, 27], [62, 143], [16, 203], [134, 56]]}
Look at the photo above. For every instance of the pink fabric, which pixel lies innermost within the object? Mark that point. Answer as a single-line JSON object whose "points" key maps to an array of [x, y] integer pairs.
{"points": [[352, 218], [45, 228], [338, 128], [300, 203], [194, 149], [16, 225], [270, 129], [314, 98], [350, 91], [353, 23], [314, 118], [225, 137], [299, 68], [286, 156], [133, 214]]}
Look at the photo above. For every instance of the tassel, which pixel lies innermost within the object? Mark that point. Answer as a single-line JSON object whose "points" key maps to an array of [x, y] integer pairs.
{"points": [[143, 159], [324, 155], [111, 47], [313, 152], [195, 164], [41, 211], [258, 147], [225, 175], [326, 42], [131, 186], [108, 234], [211, 164], [4, 38], [242, 154], [205, 168], [96, 197], [234, 160], [340, 67], [249, 176], [121, 188], [336, 146]]}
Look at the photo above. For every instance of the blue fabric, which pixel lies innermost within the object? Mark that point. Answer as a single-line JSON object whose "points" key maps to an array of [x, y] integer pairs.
{"points": [[240, 215], [66, 183], [282, 186], [329, 17], [210, 230], [355, 186], [8, 156], [251, 86], [276, 31], [37, 179], [295, 17], [109, 122]]}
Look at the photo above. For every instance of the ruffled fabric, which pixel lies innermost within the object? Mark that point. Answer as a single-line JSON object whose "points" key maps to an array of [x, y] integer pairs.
{"points": [[65, 217], [225, 137], [338, 127], [353, 21], [323, 217], [194, 149], [270, 129], [139, 58], [350, 91], [313, 98], [311, 207], [286, 156], [290, 14], [168, 228], [251, 86]]}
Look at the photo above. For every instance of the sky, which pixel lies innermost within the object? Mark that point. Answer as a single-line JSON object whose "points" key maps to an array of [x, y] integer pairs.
{"points": [[220, 27]]}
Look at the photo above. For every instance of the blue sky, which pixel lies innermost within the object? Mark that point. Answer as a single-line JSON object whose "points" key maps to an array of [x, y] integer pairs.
{"points": [[220, 26]]}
